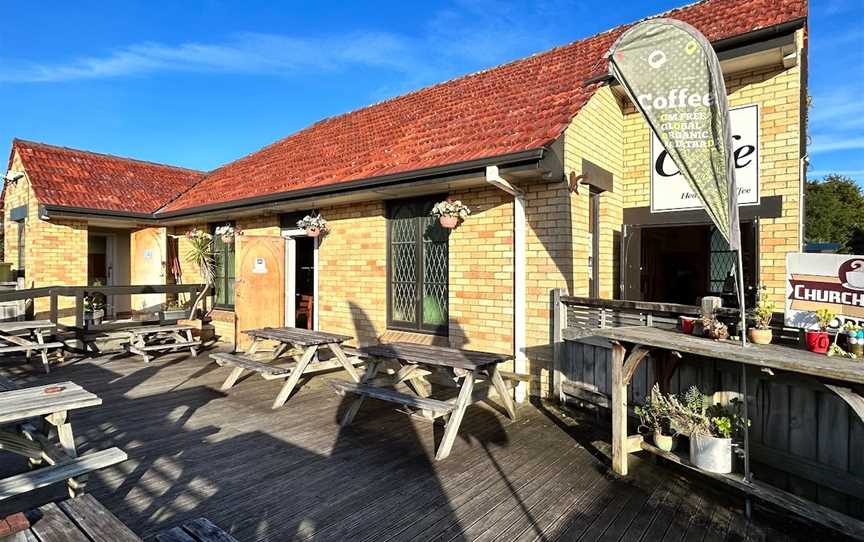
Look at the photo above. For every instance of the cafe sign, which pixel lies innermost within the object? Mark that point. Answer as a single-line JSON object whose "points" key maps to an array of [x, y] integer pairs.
{"points": [[670, 191], [824, 281]]}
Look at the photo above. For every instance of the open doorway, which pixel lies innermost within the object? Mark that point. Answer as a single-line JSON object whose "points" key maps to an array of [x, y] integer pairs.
{"points": [[683, 263], [304, 282]]}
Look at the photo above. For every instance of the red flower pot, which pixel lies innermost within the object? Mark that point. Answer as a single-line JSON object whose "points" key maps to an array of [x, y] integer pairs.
{"points": [[817, 341], [687, 324], [313, 232], [449, 222]]}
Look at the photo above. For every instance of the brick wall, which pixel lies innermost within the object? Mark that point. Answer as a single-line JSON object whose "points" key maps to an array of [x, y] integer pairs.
{"points": [[55, 251]]}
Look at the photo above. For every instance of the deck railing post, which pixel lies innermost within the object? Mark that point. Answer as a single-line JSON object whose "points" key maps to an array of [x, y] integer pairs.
{"points": [[54, 316], [559, 322]]}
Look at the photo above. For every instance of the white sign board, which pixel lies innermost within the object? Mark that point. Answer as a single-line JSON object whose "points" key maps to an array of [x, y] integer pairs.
{"points": [[824, 281], [669, 189]]}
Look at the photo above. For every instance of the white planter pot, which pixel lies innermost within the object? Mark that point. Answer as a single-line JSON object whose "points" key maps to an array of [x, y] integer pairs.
{"points": [[711, 454]]}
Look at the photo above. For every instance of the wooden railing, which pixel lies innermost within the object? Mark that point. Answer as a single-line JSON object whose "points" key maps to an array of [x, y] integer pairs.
{"points": [[804, 439], [79, 293]]}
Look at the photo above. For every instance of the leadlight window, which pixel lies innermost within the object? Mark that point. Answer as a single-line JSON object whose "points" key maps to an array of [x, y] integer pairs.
{"points": [[417, 268], [223, 254]]}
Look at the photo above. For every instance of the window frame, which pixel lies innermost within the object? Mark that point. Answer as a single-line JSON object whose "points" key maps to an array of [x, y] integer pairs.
{"points": [[419, 270], [225, 278], [21, 248]]}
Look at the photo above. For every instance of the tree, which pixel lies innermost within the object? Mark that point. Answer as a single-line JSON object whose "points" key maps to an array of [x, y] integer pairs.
{"points": [[855, 245], [833, 209]]}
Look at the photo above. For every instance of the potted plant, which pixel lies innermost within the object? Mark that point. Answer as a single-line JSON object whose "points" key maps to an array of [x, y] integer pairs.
{"points": [[175, 310], [94, 310], [201, 255], [655, 416], [313, 225], [819, 341], [710, 427], [450, 213], [226, 233], [761, 314]]}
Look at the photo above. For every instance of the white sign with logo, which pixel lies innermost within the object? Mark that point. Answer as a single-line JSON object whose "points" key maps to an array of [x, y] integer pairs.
{"points": [[824, 281], [670, 190]]}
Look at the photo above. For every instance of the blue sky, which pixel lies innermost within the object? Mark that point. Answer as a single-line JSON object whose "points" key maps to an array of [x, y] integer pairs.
{"points": [[199, 84]]}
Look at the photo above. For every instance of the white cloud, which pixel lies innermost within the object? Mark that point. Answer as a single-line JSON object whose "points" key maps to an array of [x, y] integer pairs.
{"points": [[249, 53]]}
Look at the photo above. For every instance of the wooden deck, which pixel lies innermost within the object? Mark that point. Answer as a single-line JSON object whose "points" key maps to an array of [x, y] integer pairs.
{"points": [[293, 474]]}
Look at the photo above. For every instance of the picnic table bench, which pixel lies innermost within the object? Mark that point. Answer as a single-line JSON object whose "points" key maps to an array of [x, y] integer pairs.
{"points": [[417, 361], [82, 519], [147, 340], [301, 345], [29, 419], [28, 336]]}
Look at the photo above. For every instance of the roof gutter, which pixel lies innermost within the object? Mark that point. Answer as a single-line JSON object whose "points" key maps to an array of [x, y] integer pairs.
{"points": [[726, 44], [433, 173], [430, 174]]}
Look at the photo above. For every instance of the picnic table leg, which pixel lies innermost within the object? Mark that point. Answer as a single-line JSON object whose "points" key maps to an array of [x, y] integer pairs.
{"points": [[294, 377], [41, 340], [343, 359], [190, 338], [503, 392], [280, 350], [235, 375], [452, 427], [253, 348], [353, 408]]}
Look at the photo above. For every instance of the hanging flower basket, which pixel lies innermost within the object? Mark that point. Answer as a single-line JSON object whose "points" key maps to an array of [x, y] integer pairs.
{"points": [[313, 225], [226, 233], [450, 213]]}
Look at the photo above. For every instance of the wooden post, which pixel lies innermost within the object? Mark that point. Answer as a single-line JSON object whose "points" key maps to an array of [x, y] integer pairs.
{"points": [[559, 322], [54, 311], [619, 410], [79, 309]]}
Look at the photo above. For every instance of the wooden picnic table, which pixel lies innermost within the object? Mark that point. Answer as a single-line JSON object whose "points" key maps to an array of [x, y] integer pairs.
{"points": [[632, 345], [301, 345], [147, 340], [418, 361], [28, 336], [51, 405]]}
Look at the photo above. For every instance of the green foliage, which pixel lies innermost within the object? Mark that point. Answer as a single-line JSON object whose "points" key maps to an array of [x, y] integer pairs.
{"points": [[764, 310], [824, 318], [855, 244], [692, 413], [833, 209]]}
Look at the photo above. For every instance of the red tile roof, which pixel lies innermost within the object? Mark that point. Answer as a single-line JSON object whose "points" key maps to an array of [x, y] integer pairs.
{"points": [[73, 178], [515, 107], [520, 106]]}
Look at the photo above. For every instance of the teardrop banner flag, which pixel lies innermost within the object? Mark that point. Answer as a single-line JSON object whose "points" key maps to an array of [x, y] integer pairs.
{"points": [[673, 76]]}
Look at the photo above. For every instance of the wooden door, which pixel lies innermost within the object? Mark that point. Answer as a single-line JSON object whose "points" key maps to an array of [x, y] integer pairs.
{"points": [[259, 294], [147, 266]]}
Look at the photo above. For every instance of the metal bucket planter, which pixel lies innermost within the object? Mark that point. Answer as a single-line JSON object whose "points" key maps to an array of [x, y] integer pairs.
{"points": [[175, 314], [711, 454]]}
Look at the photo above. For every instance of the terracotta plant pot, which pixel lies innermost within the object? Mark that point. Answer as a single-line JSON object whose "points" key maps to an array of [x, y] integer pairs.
{"points": [[449, 222], [313, 232], [817, 341], [760, 336]]}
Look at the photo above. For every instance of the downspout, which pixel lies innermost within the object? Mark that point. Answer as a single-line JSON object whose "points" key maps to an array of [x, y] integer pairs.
{"points": [[494, 178], [802, 182]]}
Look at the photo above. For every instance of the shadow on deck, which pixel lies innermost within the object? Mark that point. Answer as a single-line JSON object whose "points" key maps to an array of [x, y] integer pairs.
{"points": [[293, 474]]}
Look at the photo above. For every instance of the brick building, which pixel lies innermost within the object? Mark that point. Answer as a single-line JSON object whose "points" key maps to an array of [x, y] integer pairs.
{"points": [[509, 142]]}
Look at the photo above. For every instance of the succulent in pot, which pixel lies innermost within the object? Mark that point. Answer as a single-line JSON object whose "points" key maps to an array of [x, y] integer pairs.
{"points": [[450, 213], [761, 315], [819, 341], [314, 225]]}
